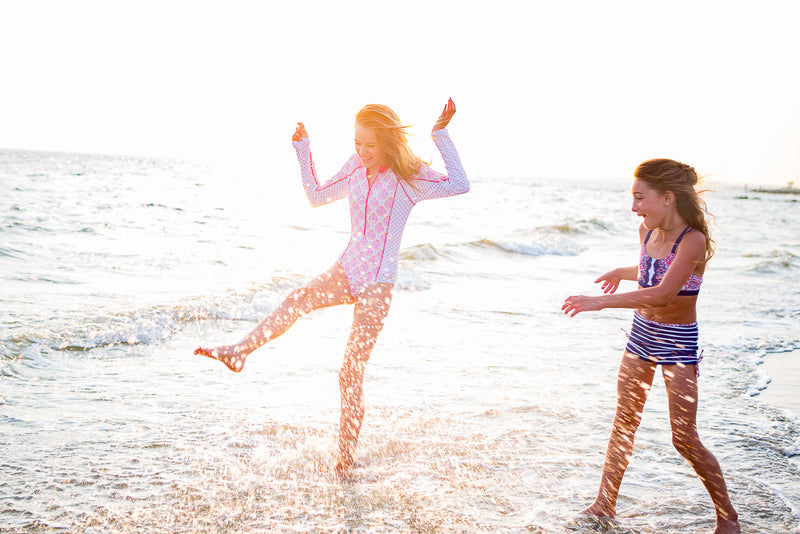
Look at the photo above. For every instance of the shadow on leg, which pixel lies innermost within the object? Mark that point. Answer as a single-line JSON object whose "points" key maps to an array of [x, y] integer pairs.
{"points": [[681, 382], [369, 315], [633, 385], [328, 289]]}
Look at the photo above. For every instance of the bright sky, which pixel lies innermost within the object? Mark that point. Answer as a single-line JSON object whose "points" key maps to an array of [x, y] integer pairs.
{"points": [[548, 89]]}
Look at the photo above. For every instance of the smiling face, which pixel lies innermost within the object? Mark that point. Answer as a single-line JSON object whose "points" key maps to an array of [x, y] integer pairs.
{"points": [[368, 150], [649, 204]]}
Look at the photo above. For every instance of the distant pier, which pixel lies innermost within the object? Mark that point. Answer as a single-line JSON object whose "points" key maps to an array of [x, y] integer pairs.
{"points": [[790, 189]]}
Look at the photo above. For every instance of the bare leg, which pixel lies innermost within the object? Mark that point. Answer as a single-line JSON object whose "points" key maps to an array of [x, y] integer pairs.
{"points": [[369, 315], [633, 385], [681, 381], [328, 289]]}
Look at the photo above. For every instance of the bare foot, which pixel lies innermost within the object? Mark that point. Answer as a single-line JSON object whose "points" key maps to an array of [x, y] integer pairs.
{"points": [[727, 526], [228, 354], [343, 467], [600, 510]]}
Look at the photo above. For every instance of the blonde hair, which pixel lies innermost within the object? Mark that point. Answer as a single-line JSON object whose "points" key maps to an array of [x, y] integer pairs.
{"points": [[664, 175], [391, 134]]}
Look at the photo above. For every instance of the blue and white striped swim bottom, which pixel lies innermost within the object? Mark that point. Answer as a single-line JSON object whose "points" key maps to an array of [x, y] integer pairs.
{"points": [[664, 344]]}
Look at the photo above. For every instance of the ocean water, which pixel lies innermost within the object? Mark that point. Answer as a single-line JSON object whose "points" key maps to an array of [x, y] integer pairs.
{"points": [[487, 408]]}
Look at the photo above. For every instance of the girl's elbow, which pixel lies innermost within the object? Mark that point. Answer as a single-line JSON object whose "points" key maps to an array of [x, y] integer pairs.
{"points": [[664, 299], [656, 298], [315, 202], [665, 302]]}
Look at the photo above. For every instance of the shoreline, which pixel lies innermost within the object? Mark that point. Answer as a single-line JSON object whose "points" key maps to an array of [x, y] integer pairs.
{"points": [[784, 370]]}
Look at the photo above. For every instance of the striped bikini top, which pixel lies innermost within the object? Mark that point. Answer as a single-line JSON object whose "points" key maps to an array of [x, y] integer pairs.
{"points": [[652, 270]]}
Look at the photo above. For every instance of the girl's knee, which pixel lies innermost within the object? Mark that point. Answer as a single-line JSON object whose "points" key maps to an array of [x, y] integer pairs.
{"points": [[346, 380], [351, 373], [683, 447], [299, 295], [299, 302], [625, 428], [686, 442], [628, 417]]}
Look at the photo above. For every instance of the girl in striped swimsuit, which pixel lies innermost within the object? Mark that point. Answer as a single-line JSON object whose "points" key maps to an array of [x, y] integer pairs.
{"points": [[383, 181], [675, 245]]}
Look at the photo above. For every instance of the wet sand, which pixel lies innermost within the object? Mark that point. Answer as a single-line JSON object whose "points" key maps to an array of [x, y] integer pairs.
{"points": [[784, 389]]}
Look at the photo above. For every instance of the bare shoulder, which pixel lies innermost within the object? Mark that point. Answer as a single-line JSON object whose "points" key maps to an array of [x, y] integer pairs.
{"points": [[693, 243], [695, 237]]}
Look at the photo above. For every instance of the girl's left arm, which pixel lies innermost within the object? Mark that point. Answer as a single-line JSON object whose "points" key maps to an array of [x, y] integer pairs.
{"points": [[691, 251], [612, 278], [429, 184]]}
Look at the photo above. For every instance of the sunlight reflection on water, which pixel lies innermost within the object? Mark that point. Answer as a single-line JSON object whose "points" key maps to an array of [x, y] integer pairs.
{"points": [[487, 409]]}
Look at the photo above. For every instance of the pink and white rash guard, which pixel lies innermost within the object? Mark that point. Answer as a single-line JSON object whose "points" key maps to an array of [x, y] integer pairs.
{"points": [[378, 213]]}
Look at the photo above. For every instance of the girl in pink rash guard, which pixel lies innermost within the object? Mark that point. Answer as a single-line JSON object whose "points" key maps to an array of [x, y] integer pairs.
{"points": [[379, 206], [383, 181]]}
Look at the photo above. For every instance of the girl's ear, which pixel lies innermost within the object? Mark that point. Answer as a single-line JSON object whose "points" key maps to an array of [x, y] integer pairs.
{"points": [[669, 198]]}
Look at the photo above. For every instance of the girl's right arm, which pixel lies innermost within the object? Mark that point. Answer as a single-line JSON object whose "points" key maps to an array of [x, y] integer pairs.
{"points": [[335, 188], [688, 255]]}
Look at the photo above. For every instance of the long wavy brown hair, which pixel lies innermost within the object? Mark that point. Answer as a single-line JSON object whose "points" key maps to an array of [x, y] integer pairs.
{"points": [[664, 175], [392, 140]]}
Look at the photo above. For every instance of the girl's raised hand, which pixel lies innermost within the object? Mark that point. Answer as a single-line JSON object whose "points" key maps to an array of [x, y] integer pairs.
{"points": [[300, 132], [447, 114]]}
